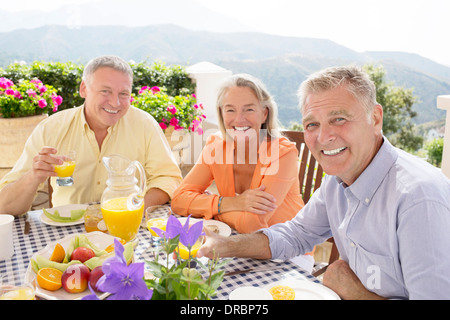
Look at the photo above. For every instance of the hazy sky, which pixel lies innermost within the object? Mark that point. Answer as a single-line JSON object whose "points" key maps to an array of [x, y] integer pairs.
{"points": [[416, 26]]}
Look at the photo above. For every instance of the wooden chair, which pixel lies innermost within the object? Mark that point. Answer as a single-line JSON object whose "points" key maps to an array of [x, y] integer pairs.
{"points": [[310, 177]]}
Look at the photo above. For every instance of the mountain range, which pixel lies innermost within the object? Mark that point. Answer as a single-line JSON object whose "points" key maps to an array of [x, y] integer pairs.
{"points": [[281, 62]]}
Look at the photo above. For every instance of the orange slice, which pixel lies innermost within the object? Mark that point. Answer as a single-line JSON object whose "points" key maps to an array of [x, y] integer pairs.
{"points": [[110, 248], [282, 293], [58, 254], [49, 279]]}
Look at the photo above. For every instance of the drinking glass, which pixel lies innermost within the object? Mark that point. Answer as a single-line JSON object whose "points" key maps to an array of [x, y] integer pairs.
{"points": [[156, 217], [25, 291], [65, 171], [183, 251]]}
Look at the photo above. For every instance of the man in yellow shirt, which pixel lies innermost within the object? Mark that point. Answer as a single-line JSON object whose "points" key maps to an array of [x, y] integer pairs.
{"points": [[106, 124]]}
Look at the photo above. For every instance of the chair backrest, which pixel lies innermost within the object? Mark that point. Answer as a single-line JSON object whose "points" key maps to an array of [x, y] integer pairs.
{"points": [[310, 173], [310, 177]]}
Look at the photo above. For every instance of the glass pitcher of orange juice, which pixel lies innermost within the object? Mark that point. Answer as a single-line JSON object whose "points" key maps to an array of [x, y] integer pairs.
{"points": [[122, 202]]}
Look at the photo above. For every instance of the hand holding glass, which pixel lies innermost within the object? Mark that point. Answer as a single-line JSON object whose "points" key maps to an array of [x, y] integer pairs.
{"points": [[65, 170]]}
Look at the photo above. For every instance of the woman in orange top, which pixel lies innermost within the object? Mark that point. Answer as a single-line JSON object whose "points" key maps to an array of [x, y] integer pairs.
{"points": [[254, 168]]}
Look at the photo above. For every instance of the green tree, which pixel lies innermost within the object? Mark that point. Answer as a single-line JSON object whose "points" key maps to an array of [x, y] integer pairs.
{"points": [[435, 150], [397, 105]]}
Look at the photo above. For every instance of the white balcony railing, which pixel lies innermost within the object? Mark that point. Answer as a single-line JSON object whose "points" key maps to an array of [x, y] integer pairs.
{"points": [[443, 102]]}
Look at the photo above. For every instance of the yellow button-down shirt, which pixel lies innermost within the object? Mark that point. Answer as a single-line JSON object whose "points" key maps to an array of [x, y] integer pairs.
{"points": [[136, 136]]}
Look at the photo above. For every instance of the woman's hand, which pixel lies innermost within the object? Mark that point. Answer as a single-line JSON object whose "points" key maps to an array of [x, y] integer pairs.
{"points": [[253, 200]]}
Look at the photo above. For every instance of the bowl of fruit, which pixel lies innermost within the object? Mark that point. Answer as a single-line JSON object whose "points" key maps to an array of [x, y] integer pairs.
{"points": [[64, 268]]}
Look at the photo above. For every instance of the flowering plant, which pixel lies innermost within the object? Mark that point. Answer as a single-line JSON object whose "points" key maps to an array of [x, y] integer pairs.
{"points": [[176, 281], [181, 112], [27, 98]]}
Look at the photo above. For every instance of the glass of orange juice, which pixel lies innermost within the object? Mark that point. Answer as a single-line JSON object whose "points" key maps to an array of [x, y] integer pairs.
{"points": [[156, 217], [121, 221], [11, 292], [183, 251], [65, 170]]}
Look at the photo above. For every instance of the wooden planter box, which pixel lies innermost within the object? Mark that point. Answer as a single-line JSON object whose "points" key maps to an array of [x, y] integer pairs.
{"points": [[14, 133]]}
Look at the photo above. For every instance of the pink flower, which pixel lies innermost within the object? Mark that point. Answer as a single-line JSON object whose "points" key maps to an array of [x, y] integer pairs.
{"points": [[5, 83], [195, 106], [55, 109], [174, 121], [155, 89], [42, 89], [31, 93], [194, 96], [163, 125], [200, 131], [172, 109], [143, 89], [17, 94], [42, 103], [195, 124], [9, 92], [57, 100], [36, 81]]}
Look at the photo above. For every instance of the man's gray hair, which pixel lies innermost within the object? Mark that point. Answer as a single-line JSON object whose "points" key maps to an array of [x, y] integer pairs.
{"points": [[356, 81], [113, 62]]}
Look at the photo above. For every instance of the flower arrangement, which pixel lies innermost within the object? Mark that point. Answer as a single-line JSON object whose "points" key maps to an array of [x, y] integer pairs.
{"points": [[176, 281], [181, 112], [27, 98]]}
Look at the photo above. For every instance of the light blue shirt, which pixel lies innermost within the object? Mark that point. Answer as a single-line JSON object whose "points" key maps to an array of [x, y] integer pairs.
{"points": [[392, 226]]}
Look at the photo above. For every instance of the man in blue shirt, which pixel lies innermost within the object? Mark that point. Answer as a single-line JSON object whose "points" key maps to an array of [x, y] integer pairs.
{"points": [[389, 212]]}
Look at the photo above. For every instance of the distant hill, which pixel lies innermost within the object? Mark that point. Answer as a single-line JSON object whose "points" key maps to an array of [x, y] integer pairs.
{"points": [[281, 62]]}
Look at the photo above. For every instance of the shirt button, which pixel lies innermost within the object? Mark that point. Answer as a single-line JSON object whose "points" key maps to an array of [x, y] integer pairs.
{"points": [[352, 244]]}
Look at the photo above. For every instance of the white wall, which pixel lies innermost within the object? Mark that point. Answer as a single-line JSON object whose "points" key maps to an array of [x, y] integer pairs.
{"points": [[443, 102]]}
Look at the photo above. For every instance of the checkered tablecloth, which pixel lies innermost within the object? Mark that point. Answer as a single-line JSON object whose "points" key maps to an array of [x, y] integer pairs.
{"points": [[25, 245]]}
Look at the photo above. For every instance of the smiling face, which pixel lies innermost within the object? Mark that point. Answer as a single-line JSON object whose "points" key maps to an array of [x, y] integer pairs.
{"points": [[242, 113], [340, 134], [107, 97]]}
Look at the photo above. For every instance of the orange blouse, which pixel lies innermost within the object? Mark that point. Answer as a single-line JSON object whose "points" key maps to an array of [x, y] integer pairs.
{"points": [[277, 169]]}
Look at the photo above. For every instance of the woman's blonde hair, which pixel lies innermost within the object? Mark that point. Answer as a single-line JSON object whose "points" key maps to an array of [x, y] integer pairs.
{"points": [[245, 80]]}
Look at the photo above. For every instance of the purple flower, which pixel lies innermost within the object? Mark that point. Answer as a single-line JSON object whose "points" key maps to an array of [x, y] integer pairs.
{"points": [[190, 235], [124, 282], [173, 228]]}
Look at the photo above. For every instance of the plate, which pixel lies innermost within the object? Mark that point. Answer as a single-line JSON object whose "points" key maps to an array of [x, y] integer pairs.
{"points": [[250, 293], [100, 239], [307, 290], [224, 229], [64, 211]]}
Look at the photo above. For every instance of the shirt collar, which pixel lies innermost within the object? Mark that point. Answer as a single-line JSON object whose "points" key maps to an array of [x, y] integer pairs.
{"points": [[369, 181], [85, 125]]}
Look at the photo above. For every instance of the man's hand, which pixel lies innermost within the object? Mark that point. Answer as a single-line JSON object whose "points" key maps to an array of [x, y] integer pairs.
{"points": [[44, 164], [340, 278], [253, 245]]}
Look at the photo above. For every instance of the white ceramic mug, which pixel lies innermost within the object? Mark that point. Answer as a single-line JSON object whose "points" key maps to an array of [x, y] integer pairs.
{"points": [[6, 236]]}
